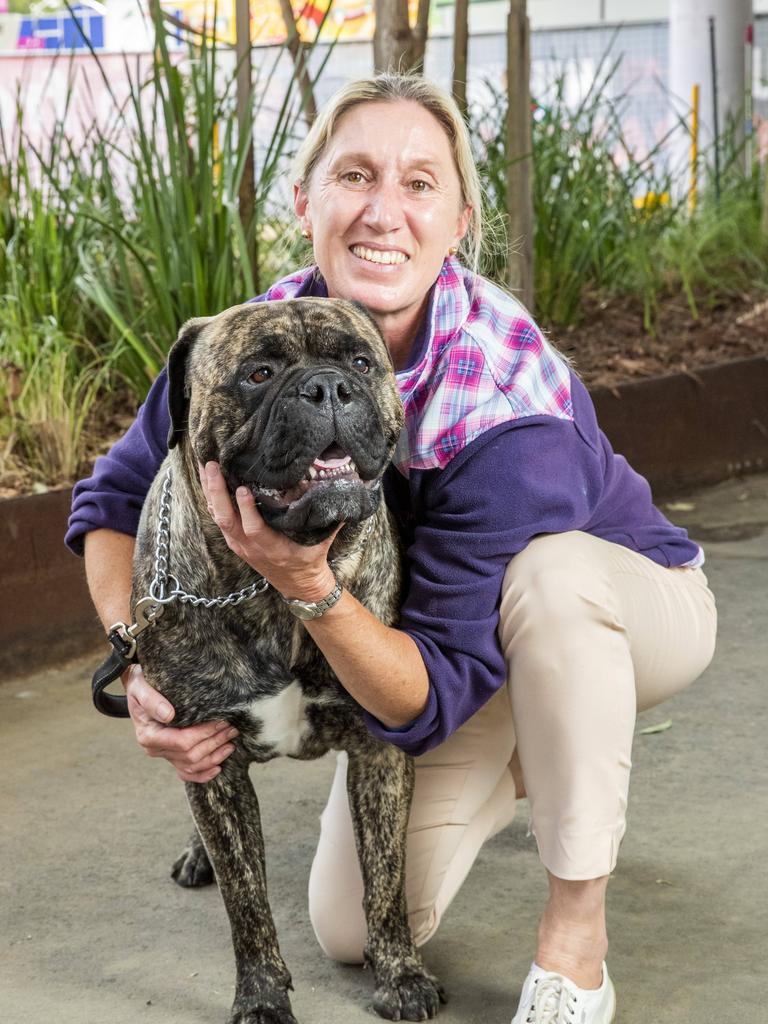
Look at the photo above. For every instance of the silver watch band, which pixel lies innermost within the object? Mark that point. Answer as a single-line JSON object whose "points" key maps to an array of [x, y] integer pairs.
{"points": [[313, 609]]}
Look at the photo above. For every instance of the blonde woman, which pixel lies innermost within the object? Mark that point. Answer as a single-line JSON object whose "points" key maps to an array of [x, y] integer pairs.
{"points": [[547, 600]]}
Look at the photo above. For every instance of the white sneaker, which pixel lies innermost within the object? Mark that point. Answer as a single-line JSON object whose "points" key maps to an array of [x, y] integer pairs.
{"points": [[549, 998]]}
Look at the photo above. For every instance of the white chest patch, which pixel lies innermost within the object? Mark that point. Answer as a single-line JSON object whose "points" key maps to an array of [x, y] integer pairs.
{"points": [[283, 719]]}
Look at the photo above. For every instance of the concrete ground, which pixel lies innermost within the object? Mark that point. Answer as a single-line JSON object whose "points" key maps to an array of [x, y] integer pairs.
{"points": [[93, 930]]}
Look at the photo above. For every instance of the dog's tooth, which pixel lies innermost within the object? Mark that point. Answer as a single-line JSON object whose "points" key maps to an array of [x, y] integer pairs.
{"points": [[312, 473]]}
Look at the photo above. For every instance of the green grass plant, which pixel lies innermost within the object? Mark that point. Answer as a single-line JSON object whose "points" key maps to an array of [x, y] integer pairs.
{"points": [[109, 244], [50, 373], [45, 406], [178, 245]]}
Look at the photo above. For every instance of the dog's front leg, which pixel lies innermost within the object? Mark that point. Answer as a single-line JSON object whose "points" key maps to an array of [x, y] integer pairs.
{"points": [[380, 786], [226, 813]]}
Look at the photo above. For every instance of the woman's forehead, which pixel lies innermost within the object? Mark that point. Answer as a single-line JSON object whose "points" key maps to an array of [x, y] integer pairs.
{"points": [[414, 134]]}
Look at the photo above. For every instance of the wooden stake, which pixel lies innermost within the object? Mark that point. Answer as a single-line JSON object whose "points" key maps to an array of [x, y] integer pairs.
{"points": [[247, 193], [460, 49], [519, 155]]}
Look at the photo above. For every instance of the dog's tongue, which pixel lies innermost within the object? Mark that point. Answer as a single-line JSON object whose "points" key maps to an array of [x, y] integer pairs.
{"points": [[331, 458]]}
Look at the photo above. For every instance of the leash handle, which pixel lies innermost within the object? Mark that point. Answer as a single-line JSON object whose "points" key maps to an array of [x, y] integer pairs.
{"points": [[121, 656]]}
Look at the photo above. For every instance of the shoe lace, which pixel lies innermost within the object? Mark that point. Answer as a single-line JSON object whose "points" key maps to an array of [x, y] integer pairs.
{"points": [[553, 1002]]}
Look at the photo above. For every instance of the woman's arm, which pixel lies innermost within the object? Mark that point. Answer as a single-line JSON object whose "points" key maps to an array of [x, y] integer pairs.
{"points": [[196, 751], [379, 666], [113, 496], [108, 562]]}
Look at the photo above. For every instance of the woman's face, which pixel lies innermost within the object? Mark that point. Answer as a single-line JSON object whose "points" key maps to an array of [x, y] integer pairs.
{"points": [[383, 206]]}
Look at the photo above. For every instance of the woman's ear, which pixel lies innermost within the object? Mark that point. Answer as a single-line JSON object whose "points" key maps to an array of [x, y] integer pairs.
{"points": [[464, 221], [301, 207]]}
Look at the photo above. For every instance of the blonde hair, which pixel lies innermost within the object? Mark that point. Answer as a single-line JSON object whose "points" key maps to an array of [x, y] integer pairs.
{"points": [[388, 88]]}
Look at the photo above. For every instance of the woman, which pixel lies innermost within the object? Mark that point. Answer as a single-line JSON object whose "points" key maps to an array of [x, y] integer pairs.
{"points": [[548, 599]]}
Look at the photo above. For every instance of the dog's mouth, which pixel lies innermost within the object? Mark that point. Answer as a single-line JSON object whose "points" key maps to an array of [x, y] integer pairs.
{"points": [[332, 468]]}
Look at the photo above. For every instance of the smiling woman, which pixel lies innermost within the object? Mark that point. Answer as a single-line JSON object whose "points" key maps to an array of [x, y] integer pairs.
{"points": [[547, 598], [388, 173]]}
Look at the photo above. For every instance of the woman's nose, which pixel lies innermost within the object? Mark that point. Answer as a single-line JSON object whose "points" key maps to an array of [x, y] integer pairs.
{"points": [[384, 210]]}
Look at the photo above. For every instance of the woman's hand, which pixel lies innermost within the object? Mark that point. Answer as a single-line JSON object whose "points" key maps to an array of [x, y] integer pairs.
{"points": [[196, 752], [294, 570]]}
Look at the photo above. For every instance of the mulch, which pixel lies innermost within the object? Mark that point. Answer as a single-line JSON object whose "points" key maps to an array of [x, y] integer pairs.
{"points": [[611, 347]]}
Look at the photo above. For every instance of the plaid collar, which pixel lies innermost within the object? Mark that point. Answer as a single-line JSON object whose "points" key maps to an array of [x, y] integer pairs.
{"points": [[480, 362]]}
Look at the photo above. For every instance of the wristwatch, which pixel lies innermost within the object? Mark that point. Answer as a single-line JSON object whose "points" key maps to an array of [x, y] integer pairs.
{"points": [[313, 609]]}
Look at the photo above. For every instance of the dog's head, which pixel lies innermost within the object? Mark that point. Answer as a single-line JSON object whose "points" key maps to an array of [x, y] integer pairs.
{"points": [[296, 400]]}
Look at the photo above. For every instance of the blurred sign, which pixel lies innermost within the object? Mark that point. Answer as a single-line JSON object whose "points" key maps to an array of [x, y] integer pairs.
{"points": [[340, 19], [61, 31], [200, 15], [126, 24]]}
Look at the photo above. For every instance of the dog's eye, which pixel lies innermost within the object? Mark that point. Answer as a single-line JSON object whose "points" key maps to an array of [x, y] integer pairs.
{"points": [[361, 363], [259, 376]]}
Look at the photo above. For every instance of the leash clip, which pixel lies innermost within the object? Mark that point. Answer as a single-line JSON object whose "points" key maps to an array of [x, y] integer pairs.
{"points": [[148, 611]]}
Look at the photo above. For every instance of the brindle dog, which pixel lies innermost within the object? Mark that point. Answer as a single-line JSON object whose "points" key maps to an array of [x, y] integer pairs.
{"points": [[297, 400]]}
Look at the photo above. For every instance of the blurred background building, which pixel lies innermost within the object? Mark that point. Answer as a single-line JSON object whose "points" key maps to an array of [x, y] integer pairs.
{"points": [[650, 47]]}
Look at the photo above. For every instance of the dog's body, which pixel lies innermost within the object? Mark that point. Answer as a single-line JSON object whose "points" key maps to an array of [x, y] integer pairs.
{"points": [[253, 664]]}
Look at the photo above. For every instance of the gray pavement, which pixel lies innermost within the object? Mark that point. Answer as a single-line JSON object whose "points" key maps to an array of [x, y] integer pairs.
{"points": [[92, 929]]}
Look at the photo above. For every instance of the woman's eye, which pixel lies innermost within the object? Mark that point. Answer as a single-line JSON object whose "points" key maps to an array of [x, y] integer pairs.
{"points": [[361, 363], [259, 376], [419, 185], [353, 177]]}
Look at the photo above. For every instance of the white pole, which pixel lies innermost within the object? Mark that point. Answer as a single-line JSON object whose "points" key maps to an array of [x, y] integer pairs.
{"points": [[690, 63]]}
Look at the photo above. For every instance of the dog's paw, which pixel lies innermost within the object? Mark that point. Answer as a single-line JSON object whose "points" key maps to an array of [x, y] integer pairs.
{"points": [[193, 869], [410, 996]]}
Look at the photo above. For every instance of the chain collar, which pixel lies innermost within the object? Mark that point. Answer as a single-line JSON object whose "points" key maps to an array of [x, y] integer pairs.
{"points": [[165, 587]]}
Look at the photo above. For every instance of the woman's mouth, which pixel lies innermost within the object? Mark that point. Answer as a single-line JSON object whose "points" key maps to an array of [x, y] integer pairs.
{"points": [[385, 257]]}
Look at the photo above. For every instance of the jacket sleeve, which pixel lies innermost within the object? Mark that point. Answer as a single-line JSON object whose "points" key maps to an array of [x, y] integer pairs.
{"points": [[113, 495], [514, 482]]}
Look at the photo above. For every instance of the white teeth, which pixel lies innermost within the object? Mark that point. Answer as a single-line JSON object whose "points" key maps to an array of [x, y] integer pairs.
{"points": [[324, 474], [377, 256]]}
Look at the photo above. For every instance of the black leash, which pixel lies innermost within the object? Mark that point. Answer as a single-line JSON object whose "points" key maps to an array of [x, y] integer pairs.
{"points": [[123, 640]]}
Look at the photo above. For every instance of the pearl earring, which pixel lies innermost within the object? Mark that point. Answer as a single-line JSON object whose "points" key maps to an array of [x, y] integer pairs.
{"points": [[306, 233]]}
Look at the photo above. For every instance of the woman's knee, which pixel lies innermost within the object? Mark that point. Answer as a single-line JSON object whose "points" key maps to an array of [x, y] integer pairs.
{"points": [[551, 587]]}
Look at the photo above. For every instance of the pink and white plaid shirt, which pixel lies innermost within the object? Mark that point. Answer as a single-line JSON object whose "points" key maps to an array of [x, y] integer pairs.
{"points": [[485, 362]]}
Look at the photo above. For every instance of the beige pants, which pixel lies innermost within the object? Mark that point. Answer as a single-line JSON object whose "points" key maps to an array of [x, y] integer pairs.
{"points": [[591, 632]]}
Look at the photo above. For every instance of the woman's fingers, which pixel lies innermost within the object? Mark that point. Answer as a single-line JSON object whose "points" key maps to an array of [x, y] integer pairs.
{"points": [[207, 749], [187, 746], [144, 702], [250, 516], [209, 766], [216, 493], [195, 751]]}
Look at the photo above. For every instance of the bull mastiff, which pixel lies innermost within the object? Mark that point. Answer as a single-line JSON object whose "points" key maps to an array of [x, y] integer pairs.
{"points": [[296, 400]]}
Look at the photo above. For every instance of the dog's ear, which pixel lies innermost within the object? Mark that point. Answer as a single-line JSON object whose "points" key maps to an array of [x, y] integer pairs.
{"points": [[178, 392]]}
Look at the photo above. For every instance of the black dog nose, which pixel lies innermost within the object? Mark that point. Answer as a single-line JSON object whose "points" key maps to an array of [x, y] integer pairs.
{"points": [[325, 387]]}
